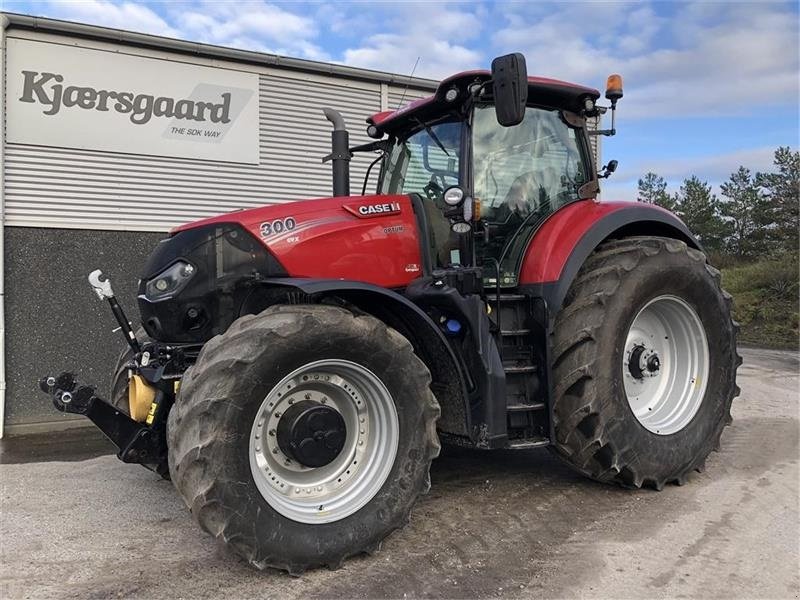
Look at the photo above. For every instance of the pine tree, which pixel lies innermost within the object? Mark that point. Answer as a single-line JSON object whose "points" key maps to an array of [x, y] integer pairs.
{"points": [[747, 214], [699, 209], [653, 190], [782, 190]]}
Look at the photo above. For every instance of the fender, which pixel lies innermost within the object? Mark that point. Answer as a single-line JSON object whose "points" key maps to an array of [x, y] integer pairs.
{"points": [[565, 240], [430, 344]]}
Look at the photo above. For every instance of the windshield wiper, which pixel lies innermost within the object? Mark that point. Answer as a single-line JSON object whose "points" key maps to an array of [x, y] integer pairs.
{"points": [[434, 137]]}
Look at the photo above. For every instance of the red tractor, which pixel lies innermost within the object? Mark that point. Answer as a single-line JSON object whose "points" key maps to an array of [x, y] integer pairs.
{"points": [[299, 364]]}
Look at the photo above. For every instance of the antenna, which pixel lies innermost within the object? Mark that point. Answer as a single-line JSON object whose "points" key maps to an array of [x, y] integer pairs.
{"points": [[405, 89]]}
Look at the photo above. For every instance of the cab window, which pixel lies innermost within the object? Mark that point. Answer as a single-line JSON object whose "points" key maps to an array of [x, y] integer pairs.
{"points": [[535, 166], [425, 163]]}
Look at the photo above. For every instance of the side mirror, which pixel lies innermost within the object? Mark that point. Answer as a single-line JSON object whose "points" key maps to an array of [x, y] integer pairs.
{"points": [[510, 88], [609, 169]]}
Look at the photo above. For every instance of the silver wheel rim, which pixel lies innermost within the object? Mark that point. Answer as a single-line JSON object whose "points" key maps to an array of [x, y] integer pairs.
{"points": [[665, 365], [343, 486]]}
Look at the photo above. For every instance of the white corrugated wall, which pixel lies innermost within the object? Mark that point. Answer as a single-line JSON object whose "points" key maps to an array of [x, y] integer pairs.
{"points": [[71, 188], [58, 187], [399, 96]]}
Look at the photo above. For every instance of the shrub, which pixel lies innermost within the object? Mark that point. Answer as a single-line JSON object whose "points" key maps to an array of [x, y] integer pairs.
{"points": [[765, 295]]}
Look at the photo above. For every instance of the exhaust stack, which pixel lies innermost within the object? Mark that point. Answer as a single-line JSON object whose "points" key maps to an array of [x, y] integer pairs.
{"points": [[340, 153]]}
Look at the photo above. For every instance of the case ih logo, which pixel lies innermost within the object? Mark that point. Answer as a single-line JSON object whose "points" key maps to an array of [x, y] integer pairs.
{"points": [[373, 210], [47, 89]]}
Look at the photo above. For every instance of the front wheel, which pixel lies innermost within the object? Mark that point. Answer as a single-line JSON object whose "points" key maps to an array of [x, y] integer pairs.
{"points": [[303, 435], [644, 364]]}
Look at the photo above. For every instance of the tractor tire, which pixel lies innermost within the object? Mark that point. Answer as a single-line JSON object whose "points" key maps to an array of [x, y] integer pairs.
{"points": [[119, 380], [644, 364], [240, 447]]}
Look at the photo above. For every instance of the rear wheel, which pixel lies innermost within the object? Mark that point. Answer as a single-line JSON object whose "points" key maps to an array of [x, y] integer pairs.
{"points": [[303, 435], [644, 364]]}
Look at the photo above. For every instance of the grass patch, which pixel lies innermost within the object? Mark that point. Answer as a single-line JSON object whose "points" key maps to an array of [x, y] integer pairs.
{"points": [[765, 299]]}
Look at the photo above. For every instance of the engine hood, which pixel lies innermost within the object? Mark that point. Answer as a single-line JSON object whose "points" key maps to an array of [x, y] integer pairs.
{"points": [[373, 238], [273, 211]]}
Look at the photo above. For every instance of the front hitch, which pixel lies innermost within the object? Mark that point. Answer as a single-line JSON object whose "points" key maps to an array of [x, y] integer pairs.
{"points": [[135, 442], [140, 436]]}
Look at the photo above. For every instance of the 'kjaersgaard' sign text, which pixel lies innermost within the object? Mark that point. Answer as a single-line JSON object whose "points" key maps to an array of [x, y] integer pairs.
{"points": [[141, 107], [71, 97]]}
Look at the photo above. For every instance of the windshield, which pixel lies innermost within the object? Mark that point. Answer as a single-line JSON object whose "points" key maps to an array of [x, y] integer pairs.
{"points": [[426, 162]]}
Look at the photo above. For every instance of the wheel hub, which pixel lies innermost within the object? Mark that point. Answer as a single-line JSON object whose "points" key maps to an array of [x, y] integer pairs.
{"points": [[643, 362], [311, 433]]}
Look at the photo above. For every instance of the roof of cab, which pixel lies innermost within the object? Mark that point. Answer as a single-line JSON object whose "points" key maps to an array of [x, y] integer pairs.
{"points": [[545, 91]]}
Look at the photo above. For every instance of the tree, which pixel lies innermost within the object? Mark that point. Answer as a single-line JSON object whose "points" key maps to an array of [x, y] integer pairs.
{"points": [[653, 190], [699, 209], [782, 190], [747, 214]]}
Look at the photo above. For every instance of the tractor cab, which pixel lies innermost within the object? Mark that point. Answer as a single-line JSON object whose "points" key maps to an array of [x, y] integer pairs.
{"points": [[490, 155]]}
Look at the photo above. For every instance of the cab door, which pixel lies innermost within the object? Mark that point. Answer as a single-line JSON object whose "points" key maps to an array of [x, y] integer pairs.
{"points": [[521, 175]]}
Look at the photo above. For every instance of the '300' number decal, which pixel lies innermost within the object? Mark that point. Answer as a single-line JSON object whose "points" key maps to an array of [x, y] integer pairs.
{"points": [[277, 226]]}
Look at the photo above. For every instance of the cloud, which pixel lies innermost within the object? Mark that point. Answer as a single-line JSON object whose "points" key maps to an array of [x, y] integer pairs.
{"points": [[252, 26], [119, 15], [398, 53], [702, 60], [687, 59], [439, 40]]}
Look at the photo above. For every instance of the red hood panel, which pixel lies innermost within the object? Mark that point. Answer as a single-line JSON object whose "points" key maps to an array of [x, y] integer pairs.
{"points": [[372, 239]]}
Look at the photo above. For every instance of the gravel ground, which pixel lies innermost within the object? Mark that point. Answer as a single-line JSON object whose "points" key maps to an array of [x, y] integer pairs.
{"points": [[500, 524]]}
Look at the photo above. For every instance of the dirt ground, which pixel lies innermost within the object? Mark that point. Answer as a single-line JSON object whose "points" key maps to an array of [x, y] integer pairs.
{"points": [[494, 525]]}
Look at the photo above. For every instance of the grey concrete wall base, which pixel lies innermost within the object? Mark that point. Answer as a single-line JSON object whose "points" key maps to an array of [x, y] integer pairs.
{"points": [[54, 321], [47, 426]]}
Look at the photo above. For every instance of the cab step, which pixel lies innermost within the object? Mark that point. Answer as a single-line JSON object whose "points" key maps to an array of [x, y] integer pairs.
{"points": [[512, 332], [521, 369], [527, 444], [506, 297], [525, 407]]}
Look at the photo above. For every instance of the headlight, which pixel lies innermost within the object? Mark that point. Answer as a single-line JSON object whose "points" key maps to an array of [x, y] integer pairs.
{"points": [[453, 196], [170, 281]]}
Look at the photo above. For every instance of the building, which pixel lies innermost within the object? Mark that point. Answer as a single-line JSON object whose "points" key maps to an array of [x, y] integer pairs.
{"points": [[111, 138]]}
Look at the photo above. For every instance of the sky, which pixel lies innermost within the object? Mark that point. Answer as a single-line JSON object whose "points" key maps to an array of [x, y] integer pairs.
{"points": [[709, 86]]}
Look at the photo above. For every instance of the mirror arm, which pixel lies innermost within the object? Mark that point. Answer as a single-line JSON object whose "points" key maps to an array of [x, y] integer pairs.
{"points": [[382, 145]]}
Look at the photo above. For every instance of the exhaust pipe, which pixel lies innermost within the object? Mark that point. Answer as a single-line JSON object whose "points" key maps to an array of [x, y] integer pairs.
{"points": [[340, 153]]}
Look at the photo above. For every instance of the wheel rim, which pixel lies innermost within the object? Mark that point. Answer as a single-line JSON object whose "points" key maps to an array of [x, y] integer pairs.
{"points": [[343, 486], [665, 365]]}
